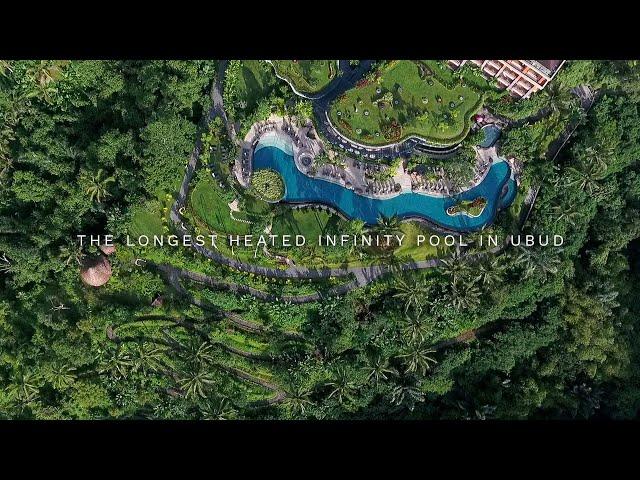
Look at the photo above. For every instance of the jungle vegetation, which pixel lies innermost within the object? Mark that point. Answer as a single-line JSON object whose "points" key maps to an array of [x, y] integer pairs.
{"points": [[540, 333]]}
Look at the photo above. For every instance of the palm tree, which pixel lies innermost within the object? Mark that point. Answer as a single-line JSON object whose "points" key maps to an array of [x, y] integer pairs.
{"points": [[357, 227], [387, 225], [406, 395], [455, 267], [98, 186], [6, 265], [218, 409], [591, 168], [297, 399], [195, 382], [200, 353], [115, 361], [567, 213], [413, 294], [416, 357], [343, 388], [559, 99], [70, 253], [490, 272], [378, 369], [26, 389], [540, 262], [60, 376], [462, 297], [415, 327], [148, 357]]}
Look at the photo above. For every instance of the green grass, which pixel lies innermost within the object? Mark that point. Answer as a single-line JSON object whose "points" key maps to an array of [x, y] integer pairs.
{"points": [[309, 223], [240, 341], [470, 76], [142, 328], [410, 247], [208, 204], [256, 207], [367, 117], [307, 76], [147, 220]]}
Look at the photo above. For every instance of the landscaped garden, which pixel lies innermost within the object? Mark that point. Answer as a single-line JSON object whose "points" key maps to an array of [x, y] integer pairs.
{"points": [[267, 184], [210, 205], [404, 98], [307, 76]]}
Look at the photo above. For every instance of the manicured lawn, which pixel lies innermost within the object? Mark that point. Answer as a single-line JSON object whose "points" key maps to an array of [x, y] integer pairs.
{"points": [[256, 207], [309, 223], [407, 98], [209, 205], [307, 76], [410, 247]]}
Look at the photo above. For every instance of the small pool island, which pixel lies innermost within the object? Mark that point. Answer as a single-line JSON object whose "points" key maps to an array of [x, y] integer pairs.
{"points": [[471, 208], [268, 185]]}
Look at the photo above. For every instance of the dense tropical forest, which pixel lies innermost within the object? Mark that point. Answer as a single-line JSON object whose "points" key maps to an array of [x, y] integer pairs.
{"points": [[94, 147]]}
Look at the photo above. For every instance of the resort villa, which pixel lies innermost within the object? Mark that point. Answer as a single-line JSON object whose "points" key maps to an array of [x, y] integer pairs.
{"points": [[521, 78]]}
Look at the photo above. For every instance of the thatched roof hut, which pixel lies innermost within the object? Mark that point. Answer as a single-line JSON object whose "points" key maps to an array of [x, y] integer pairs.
{"points": [[107, 249], [95, 271]]}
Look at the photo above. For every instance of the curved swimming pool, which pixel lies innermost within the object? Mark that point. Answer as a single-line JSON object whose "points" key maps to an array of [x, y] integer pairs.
{"points": [[491, 135], [300, 188]]}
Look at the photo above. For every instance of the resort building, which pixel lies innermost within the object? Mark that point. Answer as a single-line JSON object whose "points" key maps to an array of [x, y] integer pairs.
{"points": [[521, 78]]}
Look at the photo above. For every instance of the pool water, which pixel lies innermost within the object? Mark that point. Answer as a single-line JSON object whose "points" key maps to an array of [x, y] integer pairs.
{"points": [[491, 135], [272, 139], [301, 188], [507, 199]]}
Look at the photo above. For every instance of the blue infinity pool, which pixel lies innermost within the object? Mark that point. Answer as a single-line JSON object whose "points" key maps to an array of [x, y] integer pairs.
{"points": [[301, 188]]}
